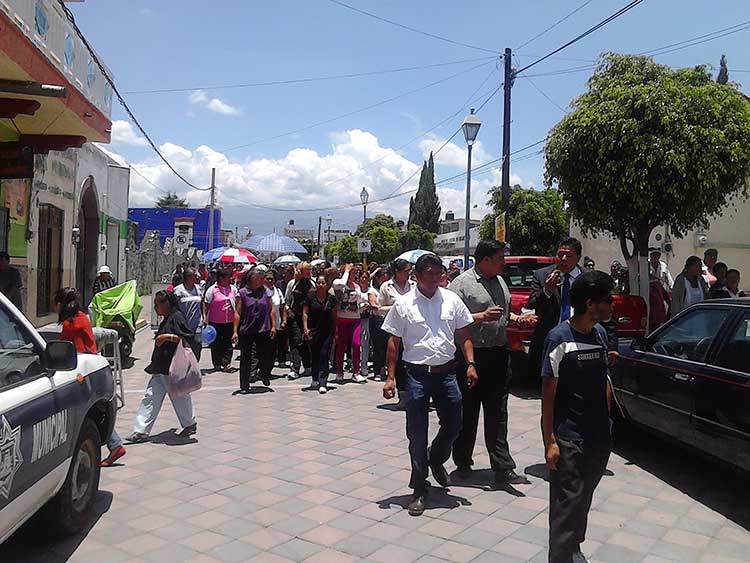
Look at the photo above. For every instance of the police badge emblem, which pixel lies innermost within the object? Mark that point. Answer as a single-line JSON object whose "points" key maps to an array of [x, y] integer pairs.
{"points": [[10, 456]]}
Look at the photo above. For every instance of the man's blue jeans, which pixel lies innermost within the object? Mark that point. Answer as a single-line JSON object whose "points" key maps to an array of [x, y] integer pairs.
{"points": [[444, 391]]}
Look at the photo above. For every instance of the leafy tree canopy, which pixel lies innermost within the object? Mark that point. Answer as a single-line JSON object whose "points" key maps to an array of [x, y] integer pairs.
{"points": [[537, 220], [424, 207], [171, 199], [647, 145], [416, 237], [381, 220], [385, 246]]}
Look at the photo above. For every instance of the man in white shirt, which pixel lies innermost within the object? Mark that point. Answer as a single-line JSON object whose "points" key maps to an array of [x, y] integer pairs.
{"points": [[429, 320], [660, 269]]}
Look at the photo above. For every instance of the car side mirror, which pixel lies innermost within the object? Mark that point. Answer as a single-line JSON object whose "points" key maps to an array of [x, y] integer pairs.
{"points": [[640, 344], [60, 355]]}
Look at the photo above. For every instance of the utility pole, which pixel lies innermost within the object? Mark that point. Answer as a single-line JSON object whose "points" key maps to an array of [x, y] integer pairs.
{"points": [[507, 85], [211, 206], [320, 223]]}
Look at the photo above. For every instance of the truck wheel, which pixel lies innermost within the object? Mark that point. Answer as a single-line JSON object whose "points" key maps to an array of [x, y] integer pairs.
{"points": [[71, 508]]}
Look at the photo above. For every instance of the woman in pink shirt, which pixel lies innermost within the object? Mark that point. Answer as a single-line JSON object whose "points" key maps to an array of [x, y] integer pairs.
{"points": [[219, 306]]}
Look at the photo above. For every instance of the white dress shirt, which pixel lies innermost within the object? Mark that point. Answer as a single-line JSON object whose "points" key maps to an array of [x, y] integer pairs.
{"points": [[427, 326]]}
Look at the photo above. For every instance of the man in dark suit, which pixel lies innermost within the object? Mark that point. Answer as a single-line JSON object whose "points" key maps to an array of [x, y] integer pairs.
{"points": [[550, 296]]}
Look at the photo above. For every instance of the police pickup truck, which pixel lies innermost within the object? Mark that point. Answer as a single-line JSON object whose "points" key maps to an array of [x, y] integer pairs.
{"points": [[56, 410]]}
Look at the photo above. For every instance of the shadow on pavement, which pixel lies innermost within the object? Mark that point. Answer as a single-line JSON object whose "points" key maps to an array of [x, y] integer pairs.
{"points": [[525, 388], [436, 498], [390, 407], [172, 438], [717, 486], [483, 479], [31, 543]]}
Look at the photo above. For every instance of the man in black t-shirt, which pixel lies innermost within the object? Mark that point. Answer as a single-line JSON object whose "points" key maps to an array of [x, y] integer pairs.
{"points": [[576, 400]]}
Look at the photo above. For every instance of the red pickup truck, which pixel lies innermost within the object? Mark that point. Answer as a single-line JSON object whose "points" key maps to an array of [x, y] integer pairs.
{"points": [[629, 310]]}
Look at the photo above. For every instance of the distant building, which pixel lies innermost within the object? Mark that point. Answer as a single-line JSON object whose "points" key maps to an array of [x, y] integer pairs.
{"points": [[291, 230], [451, 235], [334, 235], [189, 225], [228, 237]]}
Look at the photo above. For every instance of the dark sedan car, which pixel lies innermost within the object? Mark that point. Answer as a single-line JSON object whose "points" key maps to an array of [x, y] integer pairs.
{"points": [[690, 379]]}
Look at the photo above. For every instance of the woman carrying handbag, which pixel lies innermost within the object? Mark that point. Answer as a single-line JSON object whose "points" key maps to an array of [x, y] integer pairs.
{"points": [[172, 332]]}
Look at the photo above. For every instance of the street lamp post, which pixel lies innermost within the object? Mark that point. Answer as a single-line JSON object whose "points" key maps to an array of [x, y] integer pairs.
{"points": [[329, 220], [364, 197], [470, 128]]}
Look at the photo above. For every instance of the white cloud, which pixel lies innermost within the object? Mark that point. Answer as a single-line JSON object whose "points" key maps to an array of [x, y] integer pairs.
{"points": [[453, 154], [302, 179], [200, 97], [123, 133]]}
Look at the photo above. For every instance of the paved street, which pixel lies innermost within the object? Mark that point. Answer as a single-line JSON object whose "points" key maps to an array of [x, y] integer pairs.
{"points": [[289, 475]]}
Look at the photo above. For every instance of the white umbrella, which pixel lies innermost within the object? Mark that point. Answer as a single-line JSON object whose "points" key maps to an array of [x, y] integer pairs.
{"points": [[413, 255], [287, 259]]}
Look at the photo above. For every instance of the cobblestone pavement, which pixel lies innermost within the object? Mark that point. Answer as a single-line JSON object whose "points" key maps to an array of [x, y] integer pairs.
{"points": [[290, 475]]}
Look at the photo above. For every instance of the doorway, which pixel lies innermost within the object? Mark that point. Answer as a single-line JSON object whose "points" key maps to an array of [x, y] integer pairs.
{"points": [[87, 256], [49, 257]]}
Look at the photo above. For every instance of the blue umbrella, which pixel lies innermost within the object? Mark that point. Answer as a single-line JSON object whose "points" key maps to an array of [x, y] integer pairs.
{"points": [[413, 255], [213, 254], [274, 243]]}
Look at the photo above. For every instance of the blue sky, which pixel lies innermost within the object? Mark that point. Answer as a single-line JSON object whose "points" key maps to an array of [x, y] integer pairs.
{"points": [[194, 45]]}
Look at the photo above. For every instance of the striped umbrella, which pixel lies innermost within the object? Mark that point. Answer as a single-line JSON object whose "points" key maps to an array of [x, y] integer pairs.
{"points": [[237, 256], [413, 255], [213, 254]]}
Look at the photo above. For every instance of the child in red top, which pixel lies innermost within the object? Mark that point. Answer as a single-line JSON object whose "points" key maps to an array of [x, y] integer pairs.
{"points": [[76, 328], [76, 324]]}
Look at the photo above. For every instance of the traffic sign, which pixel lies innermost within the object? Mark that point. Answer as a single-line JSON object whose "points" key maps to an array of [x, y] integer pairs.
{"points": [[364, 246]]}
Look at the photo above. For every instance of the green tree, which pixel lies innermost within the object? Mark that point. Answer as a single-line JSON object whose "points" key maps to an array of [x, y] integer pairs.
{"points": [[537, 220], [171, 199], [416, 237], [424, 207], [723, 76], [310, 245], [647, 145], [385, 246], [381, 220]]}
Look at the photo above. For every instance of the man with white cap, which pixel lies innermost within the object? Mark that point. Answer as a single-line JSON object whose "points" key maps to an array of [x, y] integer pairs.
{"points": [[104, 280]]}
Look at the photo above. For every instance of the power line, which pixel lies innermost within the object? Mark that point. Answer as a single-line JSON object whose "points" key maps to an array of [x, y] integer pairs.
{"points": [[412, 29], [105, 73], [586, 33], [354, 112], [554, 25], [550, 100], [307, 79], [698, 40]]}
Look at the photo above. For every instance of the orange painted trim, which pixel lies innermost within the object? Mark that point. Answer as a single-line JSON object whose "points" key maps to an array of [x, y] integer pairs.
{"points": [[20, 49]]}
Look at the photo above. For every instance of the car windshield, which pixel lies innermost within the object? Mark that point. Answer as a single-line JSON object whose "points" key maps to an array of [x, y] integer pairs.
{"points": [[18, 359], [520, 274]]}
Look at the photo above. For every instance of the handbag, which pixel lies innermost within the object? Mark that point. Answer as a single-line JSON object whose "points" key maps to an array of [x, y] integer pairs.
{"points": [[184, 374]]}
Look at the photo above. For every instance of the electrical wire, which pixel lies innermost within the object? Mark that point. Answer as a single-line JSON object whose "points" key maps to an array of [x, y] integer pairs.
{"points": [[412, 29], [354, 112], [554, 25], [111, 82], [698, 40], [586, 33], [308, 79]]}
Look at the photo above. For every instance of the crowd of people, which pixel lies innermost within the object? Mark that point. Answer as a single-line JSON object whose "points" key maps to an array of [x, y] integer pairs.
{"points": [[436, 336]]}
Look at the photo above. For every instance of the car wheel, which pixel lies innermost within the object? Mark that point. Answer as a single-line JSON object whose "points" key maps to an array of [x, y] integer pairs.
{"points": [[71, 508]]}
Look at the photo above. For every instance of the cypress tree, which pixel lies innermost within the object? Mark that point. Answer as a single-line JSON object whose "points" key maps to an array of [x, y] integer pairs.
{"points": [[424, 207]]}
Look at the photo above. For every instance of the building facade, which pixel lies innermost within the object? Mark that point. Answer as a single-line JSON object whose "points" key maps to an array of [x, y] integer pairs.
{"points": [[727, 233], [451, 235], [189, 224], [54, 100], [295, 232]]}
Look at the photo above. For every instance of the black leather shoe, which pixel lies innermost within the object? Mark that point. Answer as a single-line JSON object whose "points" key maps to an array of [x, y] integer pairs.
{"points": [[416, 506], [510, 477], [189, 430], [440, 475], [464, 471]]}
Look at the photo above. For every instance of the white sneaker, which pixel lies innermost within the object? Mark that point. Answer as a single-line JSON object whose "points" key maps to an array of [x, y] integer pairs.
{"points": [[359, 378], [322, 390], [292, 375]]}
